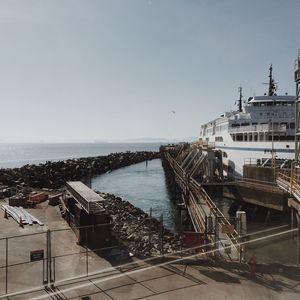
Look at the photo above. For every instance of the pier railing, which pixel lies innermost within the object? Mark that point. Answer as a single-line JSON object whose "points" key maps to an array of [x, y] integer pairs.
{"points": [[200, 206], [289, 180]]}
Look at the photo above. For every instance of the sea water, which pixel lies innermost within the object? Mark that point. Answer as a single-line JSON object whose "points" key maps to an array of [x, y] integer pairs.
{"points": [[144, 186], [19, 154]]}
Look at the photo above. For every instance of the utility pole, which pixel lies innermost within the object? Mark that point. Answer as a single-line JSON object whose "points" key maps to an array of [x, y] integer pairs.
{"points": [[297, 111]]}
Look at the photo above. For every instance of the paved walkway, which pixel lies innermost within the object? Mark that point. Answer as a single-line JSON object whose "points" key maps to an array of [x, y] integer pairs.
{"points": [[194, 280]]}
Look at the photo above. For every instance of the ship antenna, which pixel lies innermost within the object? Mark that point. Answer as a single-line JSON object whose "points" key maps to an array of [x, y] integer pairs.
{"points": [[272, 86], [240, 100]]}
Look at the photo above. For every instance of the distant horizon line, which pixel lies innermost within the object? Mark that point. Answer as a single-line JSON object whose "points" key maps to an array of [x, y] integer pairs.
{"points": [[96, 141]]}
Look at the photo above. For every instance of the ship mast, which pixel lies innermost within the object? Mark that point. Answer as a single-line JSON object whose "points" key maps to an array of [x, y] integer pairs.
{"points": [[240, 100], [272, 86]]}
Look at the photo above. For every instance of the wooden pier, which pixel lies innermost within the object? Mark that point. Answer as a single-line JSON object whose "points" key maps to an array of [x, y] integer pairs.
{"points": [[197, 172], [187, 167]]}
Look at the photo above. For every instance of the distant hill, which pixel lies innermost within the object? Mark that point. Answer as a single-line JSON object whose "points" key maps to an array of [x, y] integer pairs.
{"points": [[153, 140]]}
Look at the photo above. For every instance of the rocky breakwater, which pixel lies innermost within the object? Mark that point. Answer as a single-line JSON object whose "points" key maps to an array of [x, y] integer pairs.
{"points": [[54, 175], [143, 236]]}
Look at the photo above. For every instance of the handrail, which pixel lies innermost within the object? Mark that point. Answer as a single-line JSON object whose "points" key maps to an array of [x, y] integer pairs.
{"points": [[196, 189], [289, 180]]}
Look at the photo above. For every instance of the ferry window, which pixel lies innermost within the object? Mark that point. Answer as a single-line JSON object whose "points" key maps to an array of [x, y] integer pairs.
{"points": [[261, 136], [290, 138], [219, 139], [261, 114], [239, 137]]}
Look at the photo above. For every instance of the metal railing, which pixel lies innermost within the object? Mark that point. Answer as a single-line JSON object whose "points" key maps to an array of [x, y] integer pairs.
{"points": [[258, 128], [196, 194], [289, 180]]}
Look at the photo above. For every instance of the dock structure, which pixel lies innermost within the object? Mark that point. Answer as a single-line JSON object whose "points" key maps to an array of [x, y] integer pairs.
{"points": [[87, 216], [189, 169], [90, 201], [289, 179]]}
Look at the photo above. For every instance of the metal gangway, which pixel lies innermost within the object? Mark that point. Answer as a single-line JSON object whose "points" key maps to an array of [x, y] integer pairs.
{"points": [[289, 181], [199, 205]]}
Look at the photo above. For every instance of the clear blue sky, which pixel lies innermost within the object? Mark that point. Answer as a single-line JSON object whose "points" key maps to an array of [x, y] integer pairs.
{"points": [[86, 70]]}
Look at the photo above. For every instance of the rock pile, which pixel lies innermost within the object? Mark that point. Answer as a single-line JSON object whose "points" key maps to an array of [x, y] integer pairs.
{"points": [[133, 227], [55, 174]]}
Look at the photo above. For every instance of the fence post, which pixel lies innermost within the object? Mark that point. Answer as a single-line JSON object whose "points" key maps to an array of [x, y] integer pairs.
{"points": [[49, 266], [161, 219], [298, 237], [291, 179], [150, 223], [86, 252], [6, 265], [54, 269]]}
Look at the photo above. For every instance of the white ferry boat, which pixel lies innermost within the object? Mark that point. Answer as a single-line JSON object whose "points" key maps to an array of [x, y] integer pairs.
{"points": [[262, 129]]}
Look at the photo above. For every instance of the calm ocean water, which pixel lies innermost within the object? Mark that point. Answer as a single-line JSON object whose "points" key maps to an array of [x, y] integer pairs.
{"points": [[144, 186], [17, 155]]}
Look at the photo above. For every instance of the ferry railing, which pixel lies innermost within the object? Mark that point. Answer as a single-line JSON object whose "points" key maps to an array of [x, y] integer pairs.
{"points": [[252, 161], [258, 128]]}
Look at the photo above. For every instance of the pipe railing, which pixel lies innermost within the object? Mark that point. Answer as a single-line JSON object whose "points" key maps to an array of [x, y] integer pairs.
{"points": [[197, 193]]}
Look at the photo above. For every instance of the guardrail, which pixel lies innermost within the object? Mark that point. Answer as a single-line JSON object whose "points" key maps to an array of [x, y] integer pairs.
{"points": [[196, 192], [289, 180], [258, 128]]}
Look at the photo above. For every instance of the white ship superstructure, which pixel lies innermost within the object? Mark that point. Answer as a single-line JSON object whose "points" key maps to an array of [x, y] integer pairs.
{"points": [[263, 129]]}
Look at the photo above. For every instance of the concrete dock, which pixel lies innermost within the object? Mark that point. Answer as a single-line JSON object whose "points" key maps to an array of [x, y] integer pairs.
{"points": [[195, 280], [175, 278]]}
